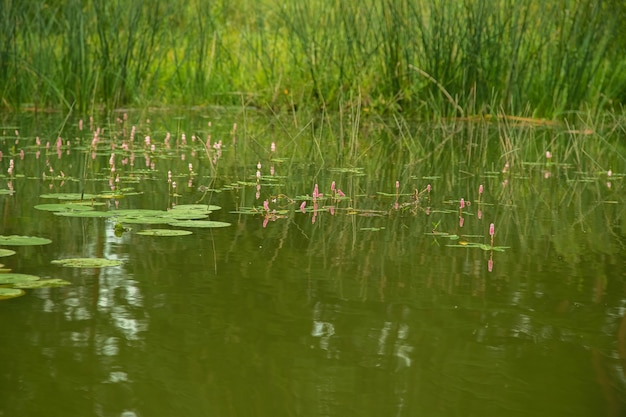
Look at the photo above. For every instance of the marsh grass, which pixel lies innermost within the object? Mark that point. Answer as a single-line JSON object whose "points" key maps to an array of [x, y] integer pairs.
{"points": [[435, 58]]}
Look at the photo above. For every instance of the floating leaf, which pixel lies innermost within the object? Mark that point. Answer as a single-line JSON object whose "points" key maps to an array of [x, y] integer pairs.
{"points": [[13, 278], [145, 220], [199, 223], [64, 207], [15, 240], [139, 212], [6, 252], [69, 196], [6, 293], [246, 210], [84, 214], [44, 283], [482, 246], [188, 215], [164, 232], [87, 262], [110, 194], [201, 207]]}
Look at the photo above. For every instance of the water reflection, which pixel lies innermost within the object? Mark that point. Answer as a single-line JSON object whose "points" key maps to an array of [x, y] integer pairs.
{"points": [[363, 311]]}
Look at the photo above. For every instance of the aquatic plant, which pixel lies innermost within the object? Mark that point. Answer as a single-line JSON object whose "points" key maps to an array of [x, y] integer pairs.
{"points": [[433, 58]]}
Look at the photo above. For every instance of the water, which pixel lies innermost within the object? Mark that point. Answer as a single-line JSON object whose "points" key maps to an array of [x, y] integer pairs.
{"points": [[366, 311]]}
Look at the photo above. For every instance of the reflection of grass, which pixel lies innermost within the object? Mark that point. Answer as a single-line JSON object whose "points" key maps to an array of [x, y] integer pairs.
{"points": [[436, 165]]}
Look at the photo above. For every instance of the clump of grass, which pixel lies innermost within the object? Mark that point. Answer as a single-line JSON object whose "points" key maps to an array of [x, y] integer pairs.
{"points": [[433, 58]]}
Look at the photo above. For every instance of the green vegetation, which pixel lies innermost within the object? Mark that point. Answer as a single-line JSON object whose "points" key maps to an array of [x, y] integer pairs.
{"points": [[443, 58]]}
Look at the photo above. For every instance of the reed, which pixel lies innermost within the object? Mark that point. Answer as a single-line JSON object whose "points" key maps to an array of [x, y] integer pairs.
{"points": [[432, 58]]}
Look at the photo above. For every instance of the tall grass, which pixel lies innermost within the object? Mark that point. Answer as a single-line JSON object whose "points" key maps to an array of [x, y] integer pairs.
{"points": [[442, 58]]}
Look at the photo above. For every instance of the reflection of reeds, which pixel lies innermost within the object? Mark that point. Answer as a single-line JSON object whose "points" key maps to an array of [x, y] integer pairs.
{"points": [[572, 209]]}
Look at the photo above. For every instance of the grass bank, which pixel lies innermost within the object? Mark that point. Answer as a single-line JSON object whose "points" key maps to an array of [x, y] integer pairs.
{"points": [[442, 58]]}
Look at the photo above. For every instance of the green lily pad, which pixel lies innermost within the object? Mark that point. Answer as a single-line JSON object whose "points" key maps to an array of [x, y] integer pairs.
{"points": [[69, 196], [64, 207], [6, 192], [6, 252], [87, 262], [164, 232], [201, 207], [84, 213], [188, 216], [6, 293], [111, 194], [199, 223], [482, 246], [246, 210], [139, 212], [44, 283], [145, 220], [15, 240], [17, 278]]}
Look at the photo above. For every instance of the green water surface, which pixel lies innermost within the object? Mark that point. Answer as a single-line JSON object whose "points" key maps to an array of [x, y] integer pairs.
{"points": [[367, 306]]}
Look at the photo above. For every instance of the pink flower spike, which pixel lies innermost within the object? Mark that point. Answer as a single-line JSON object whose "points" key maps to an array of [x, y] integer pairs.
{"points": [[548, 155], [273, 147], [462, 203], [315, 191], [302, 206], [480, 189], [332, 187], [492, 229], [428, 188], [609, 174], [266, 206], [340, 193], [397, 185]]}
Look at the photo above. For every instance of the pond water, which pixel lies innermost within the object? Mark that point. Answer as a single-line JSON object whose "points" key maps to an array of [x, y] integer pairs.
{"points": [[382, 295]]}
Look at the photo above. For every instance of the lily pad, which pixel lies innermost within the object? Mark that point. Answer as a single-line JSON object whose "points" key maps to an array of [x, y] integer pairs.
{"points": [[6, 293], [15, 240], [139, 212], [164, 232], [201, 207], [87, 262], [145, 220], [6, 252], [17, 278], [199, 223], [84, 214], [69, 196], [44, 283], [63, 207]]}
